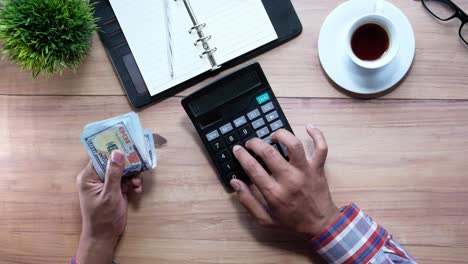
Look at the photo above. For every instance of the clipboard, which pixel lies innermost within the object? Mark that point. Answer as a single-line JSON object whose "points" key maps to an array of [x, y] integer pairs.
{"points": [[282, 15]]}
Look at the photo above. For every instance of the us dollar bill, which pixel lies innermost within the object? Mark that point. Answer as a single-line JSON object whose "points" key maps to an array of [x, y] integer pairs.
{"points": [[101, 144], [124, 133]]}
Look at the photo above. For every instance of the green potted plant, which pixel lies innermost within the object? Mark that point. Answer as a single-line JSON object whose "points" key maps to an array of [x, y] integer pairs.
{"points": [[46, 36]]}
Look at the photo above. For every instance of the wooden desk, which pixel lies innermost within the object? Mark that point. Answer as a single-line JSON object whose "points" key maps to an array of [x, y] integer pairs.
{"points": [[401, 158]]}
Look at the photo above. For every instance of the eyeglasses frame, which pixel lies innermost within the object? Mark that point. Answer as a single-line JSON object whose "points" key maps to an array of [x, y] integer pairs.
{"points": [[458, 13]]}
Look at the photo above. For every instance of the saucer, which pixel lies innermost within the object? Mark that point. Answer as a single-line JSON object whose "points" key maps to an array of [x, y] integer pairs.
{"points": [[342, 70]]}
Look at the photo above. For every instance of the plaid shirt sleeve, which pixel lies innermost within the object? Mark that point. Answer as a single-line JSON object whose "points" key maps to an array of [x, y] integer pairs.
{"points": [[355, 238]]}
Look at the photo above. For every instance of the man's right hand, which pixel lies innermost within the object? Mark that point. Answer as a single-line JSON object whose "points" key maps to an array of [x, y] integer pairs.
{"points": [[296, 193]]}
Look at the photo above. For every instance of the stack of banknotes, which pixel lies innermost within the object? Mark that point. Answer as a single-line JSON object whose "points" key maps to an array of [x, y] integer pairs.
{"points": [[126, 134]]}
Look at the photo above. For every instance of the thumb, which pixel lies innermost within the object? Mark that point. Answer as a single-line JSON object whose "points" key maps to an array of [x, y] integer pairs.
{"points": [[114, 172], [252, 204]]}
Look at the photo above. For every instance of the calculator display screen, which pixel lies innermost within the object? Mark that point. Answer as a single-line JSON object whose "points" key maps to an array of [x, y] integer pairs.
{"points": [[222, 94]]}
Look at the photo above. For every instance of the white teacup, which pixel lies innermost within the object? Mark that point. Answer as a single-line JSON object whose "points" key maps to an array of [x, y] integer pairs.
{"points": [[380, 19]]}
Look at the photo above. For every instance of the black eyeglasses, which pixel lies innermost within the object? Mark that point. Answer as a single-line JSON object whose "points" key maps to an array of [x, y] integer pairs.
{"points": [[446, 10]]}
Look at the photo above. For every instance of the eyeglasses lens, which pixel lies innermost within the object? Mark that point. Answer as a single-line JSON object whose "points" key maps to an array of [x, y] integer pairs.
{"points": [[440, 8]]}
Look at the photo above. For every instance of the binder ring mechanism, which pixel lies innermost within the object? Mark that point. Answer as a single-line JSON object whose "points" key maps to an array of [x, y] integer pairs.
{"points": [[208, 52], [206, 46], [198, 27], [202, 40]]}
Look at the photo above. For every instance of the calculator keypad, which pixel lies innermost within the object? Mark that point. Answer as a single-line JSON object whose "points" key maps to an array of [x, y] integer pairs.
{"points": [[276, 125], [253, 114], [218, 145], [229, 166], [226, 128], [245, 131], [258, 122], [267, 108], [223, 156], [231, 138], [212, 135], [240, 121], [272, 116], [261, 133]]}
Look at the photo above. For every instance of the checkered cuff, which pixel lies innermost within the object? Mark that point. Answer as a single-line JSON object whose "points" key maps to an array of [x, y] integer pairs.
{"points": [[353, 238]]}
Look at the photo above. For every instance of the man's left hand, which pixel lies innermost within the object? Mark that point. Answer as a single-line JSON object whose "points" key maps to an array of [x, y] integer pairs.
{"points": [[103, 209]]}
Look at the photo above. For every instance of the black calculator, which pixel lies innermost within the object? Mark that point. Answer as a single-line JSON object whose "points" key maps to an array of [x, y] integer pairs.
{"points": [[232, 110]]}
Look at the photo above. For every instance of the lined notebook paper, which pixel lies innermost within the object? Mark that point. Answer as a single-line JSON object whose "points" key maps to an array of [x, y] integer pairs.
{"points": [[236, 27]]}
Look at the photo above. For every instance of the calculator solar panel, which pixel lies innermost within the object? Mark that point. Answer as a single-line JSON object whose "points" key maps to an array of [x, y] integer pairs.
{"points": [[231, 111]]}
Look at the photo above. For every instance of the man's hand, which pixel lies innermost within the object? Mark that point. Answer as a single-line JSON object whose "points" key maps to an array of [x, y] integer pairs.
{"points": [[296, 193], [103, 210]]}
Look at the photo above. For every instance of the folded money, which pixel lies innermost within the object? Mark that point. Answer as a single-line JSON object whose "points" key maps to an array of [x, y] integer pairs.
{"points": [[124, 133]]}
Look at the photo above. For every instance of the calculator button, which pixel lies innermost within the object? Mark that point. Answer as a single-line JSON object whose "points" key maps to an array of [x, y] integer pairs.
{"points": [[231, 148], [217, 145], [212, 135], [267, 140], [240, 121], [226, 128], [258, 123], [229, 166], [276, 125], [248, 138], [235, 175], [284, 149], [267, 108], [265, 97], [263, 132], [277, 148], [245, 131], [231, 138], [222, 156], [254, 114], [272, 116]]}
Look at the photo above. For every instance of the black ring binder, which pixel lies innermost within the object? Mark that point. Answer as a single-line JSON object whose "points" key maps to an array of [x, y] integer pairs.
{"points": [[282, 15]]}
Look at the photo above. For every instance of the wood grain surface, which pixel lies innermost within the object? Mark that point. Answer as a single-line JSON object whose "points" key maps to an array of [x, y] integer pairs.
{"points": [[403, 161], [401, 158]]}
